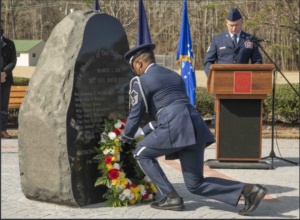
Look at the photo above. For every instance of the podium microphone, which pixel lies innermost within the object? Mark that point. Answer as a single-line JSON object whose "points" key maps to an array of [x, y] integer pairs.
{"points": [[257, 39]]}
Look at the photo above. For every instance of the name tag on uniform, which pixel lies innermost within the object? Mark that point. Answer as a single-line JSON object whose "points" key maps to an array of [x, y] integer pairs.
{"points": [[222, 48]]}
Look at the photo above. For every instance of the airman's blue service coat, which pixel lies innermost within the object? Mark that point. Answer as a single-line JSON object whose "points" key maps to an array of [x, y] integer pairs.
{"points": [[223, 51], [176, 123]]}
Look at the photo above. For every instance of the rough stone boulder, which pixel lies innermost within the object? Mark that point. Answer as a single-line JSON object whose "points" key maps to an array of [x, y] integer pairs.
{"points": [[81, 78]]}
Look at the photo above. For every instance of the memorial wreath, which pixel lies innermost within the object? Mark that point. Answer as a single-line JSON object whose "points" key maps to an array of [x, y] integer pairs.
{"points": [[126, 183]]}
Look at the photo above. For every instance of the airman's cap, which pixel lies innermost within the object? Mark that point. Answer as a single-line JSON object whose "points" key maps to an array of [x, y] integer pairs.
{"points": [[137, 51], [234, 15]]}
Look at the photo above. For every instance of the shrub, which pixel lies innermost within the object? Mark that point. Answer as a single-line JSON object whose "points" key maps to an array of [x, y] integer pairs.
{"points": [[204, 102], [286, 105], [21, 81]]}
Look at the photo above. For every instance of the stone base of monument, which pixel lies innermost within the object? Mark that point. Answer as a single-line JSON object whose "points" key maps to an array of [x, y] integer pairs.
{"points": [[81, 78]]}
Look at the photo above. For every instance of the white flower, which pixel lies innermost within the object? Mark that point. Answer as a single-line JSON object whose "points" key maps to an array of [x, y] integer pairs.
{"points": [[147, 179], [118, 124], [106, 151], [112, 135], [122, 197], [127, 194], [143, 191], [117, 166], [150, 196], [109, 151], [131, 196]]}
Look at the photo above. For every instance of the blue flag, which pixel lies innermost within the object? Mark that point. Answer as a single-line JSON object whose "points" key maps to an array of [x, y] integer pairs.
{"points": [[185, 56], [143, 28], [97, 6]]}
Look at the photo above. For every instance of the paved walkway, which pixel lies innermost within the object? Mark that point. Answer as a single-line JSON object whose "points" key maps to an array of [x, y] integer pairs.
{"points": [[282, 201]]}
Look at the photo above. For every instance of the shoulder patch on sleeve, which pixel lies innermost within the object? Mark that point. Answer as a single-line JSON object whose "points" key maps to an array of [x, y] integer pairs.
{"points": [[134, 97]]}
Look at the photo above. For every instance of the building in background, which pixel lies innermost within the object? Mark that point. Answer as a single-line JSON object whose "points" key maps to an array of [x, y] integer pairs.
{"points": [[28, 51]]}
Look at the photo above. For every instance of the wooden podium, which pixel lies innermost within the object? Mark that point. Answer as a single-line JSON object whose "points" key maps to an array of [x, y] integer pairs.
{"points": [[239, 91]]}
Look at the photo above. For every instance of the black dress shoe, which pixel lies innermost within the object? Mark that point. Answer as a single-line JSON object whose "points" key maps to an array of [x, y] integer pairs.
{"points": [[175, 204], [253, 199]]}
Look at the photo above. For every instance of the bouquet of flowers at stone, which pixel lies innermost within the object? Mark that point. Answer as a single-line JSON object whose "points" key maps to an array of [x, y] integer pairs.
{"points": [[126, 183]]}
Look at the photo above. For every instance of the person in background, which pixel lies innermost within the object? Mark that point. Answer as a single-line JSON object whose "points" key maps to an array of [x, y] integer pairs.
{"points": [[177, 131], [8, 63], [232, 46]]}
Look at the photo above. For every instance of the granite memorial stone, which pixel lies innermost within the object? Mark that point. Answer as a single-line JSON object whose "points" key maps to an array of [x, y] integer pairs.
{"points": [[81, 78]]}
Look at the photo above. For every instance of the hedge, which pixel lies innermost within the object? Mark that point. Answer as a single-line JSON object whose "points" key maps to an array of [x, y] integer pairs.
{"points": [[21, 81], [287, 104]]}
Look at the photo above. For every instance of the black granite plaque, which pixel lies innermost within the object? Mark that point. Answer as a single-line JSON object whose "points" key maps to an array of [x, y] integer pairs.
{"points": [[100, 91]]}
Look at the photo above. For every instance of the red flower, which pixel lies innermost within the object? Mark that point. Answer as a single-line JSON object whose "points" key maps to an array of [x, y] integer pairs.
{"points": [[117, 131], [133, 185], [146, 196], [113, 174], [123, 125], [123, 120], [107, 159], [127, 186]]}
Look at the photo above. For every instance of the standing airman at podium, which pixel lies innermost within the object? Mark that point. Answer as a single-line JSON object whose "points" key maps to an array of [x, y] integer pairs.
{"points": [[233, 45]]}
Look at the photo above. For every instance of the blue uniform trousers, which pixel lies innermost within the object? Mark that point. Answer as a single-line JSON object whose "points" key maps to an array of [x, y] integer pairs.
{"points": [[191, 160]]}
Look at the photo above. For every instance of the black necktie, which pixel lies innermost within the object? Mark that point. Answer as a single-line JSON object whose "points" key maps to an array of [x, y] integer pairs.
{"points": [[235, 40]]}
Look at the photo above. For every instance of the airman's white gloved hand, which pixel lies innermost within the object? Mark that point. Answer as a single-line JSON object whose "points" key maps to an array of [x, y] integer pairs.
{"points": [[139, 133]]}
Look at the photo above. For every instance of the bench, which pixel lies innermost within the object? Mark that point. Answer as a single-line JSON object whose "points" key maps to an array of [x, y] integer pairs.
{"points": [[16, 96]]}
